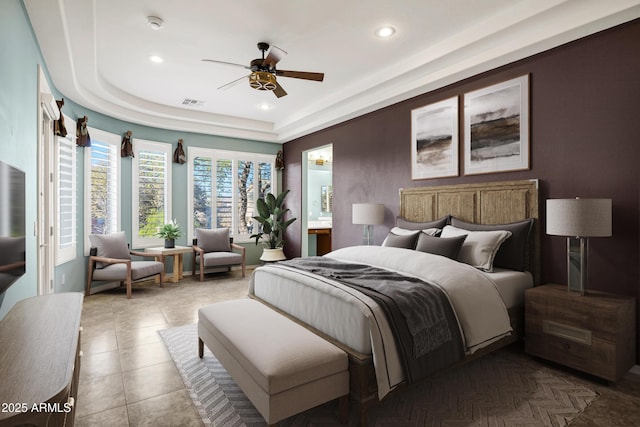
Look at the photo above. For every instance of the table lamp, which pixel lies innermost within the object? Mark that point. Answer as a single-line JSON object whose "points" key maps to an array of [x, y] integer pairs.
{"points": [[367, 214], [578, 219]]}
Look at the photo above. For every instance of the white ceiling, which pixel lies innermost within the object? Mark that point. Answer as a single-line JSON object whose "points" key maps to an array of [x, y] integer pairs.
{"points": [[97, 54]]}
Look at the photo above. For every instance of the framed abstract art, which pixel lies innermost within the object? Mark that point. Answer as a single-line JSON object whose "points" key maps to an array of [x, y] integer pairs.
{"points": [[496, 128], [434, 145]]}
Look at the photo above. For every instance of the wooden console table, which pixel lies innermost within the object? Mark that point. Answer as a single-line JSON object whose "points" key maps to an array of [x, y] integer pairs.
{"points": [[176, 252], [40, 360]]}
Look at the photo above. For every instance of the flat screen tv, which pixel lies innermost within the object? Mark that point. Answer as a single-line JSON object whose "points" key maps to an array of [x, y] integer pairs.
{"points": [[12, 225]]}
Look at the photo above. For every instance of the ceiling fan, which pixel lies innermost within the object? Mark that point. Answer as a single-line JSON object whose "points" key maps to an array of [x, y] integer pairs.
{"points": [[263, 71]]}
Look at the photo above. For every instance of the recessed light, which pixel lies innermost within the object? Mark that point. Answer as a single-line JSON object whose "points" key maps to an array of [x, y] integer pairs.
{"points": [[155, 23], [155, 58], [385, 32], [265, 106]]}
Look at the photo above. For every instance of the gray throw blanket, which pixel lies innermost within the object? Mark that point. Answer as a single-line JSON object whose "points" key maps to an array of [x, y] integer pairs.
{"points": [[419, 313]]}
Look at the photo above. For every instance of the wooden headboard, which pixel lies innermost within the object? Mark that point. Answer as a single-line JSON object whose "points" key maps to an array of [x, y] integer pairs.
{"points": [[482, 203]]}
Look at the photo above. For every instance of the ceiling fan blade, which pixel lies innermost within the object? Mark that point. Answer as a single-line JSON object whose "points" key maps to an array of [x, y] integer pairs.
{"points": [[279, 91], [227, 63], [318, 77], [233, 83], [274, 56]]}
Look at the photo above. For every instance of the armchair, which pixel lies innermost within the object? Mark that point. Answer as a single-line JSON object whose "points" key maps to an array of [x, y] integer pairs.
{"points": [[214, 248], [110, 260]]}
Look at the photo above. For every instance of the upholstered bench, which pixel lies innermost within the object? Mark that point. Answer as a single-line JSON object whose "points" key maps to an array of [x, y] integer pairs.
{"points": [[282, 367]]}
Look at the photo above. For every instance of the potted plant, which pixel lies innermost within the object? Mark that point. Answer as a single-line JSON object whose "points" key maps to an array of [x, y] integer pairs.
{"points": [[271, 213], [170, 232]]}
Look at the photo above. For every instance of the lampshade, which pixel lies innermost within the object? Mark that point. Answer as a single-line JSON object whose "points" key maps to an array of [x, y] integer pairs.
{"points": [[368, 213], [579, 217]]}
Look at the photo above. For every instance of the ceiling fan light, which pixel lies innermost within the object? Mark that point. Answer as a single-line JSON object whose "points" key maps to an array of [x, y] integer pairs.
{"points": [[262, 80]]}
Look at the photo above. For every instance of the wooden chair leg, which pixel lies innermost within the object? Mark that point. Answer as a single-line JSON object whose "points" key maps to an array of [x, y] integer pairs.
{"points": [[202, 270], [87, 291], [193, 264], [243, 270], [129, 287], [129, 280]]}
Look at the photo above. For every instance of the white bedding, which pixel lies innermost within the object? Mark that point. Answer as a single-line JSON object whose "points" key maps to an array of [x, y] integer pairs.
{"points": [[353, 319], [511, 285]]}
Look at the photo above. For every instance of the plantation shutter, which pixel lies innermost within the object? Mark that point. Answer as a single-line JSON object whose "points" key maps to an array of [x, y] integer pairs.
{"points": [[152, 192], [152, 196], [104, 188], [224, 187], [202, 175], [66, 201], [224, 194], [246, 196]]}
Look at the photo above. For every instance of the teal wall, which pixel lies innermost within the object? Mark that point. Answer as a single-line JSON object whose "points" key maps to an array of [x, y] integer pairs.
{"points": [[20, 56]]}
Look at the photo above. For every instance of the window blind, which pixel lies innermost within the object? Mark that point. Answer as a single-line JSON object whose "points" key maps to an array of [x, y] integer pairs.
{"points": [[66, 201]]}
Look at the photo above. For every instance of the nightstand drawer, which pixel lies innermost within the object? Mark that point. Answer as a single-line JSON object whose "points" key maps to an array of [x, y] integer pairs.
{"points": [[594, 333], [594, 356]]}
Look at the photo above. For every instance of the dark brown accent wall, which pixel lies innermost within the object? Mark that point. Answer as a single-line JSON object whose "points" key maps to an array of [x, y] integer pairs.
{"points": [[585, 141]]}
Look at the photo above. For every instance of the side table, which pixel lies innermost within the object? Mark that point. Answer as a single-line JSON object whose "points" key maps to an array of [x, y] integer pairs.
{"points": [[594, 333], [177, 259]]}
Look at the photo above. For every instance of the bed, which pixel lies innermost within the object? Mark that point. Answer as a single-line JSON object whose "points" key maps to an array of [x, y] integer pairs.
{"points": [[487, 299]]}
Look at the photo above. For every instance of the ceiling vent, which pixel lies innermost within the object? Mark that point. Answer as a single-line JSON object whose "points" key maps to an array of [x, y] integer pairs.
{"points": [[192, 102]]}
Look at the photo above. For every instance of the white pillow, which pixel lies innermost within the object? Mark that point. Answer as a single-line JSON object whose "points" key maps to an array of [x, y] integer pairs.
{"points": [[403, 231], [480, 247]]}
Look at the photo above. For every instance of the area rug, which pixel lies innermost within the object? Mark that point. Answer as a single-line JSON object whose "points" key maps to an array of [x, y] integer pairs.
{"points": [[500, 389]]}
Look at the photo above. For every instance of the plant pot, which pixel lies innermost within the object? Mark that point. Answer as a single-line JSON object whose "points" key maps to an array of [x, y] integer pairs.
{"points": [[169, 243], [272, 255]]}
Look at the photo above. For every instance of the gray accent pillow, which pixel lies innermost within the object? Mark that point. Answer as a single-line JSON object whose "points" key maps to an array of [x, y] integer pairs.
{"points": [[445, 246], [112, 245], [411, 225], [407, 241], [513, 252], [213, 240]]}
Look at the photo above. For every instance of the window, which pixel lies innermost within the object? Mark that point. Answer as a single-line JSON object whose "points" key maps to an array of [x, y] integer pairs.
{"points": [[65, 181], [151, 179], [102, 184], [224, 187]]}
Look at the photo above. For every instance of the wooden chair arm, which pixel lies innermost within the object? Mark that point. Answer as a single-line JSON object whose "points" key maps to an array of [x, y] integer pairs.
{"points": [[198, 249], [106, 260], [242, 249]]}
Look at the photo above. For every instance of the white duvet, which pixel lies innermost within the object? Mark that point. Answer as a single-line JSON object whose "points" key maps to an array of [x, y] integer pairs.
{"points": [[353, 319]]}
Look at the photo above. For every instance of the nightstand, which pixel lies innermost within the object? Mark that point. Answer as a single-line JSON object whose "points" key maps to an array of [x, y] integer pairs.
{"points": [[594, 333]]}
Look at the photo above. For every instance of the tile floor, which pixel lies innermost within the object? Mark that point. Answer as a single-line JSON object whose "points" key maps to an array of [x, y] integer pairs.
{"points": [[127, 377]]}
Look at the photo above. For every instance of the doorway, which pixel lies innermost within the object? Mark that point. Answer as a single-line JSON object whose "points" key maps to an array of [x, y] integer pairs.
{"points": [[46, 196], [317, 200]]}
